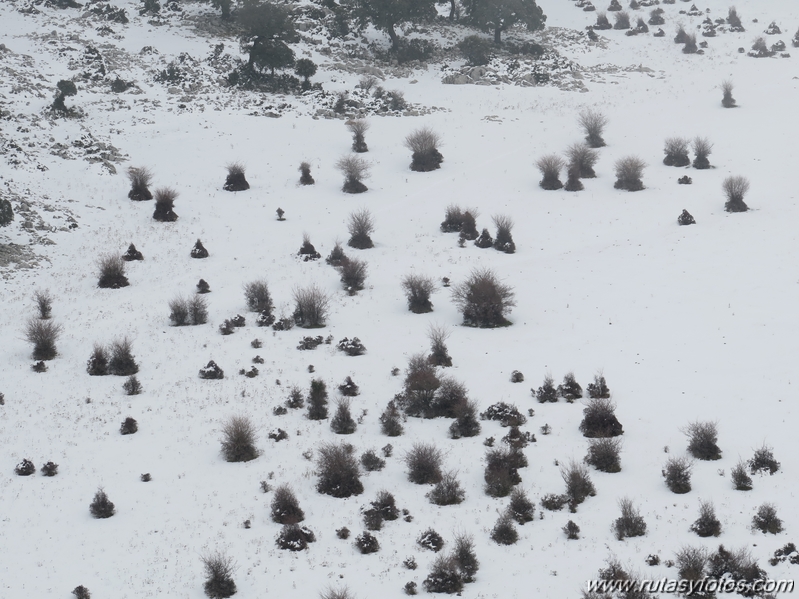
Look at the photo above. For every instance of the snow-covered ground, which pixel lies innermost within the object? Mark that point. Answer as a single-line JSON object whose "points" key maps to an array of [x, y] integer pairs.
{"points": [[686, 323]]}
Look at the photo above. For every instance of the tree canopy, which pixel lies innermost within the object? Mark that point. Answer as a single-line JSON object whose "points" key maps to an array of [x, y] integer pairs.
{"points": [[6, 213], [266, 29], [499, 15], [386, 15]]}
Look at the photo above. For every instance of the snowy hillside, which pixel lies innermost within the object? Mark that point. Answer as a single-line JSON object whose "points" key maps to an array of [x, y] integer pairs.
{"points": [[686, 323]]}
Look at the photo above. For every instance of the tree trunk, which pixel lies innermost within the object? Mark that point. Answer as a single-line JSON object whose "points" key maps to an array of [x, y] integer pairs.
{"points": [[393, 35], [451, 10], [498, 35]]}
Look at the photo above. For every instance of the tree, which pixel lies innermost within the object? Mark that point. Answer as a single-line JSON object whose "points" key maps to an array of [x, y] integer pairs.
{"points": [[500, 15], [65, 89], [6, 213], [224, 6], [386, 15], [305, 68], [267, 27]]}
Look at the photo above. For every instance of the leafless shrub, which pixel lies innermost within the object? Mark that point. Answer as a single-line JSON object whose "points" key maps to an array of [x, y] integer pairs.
{"points": [[338, 471], [305, 176], [219, 570], [582, 158], [735, 188], [140, 179], [424, 464], [257, 296], [702, 148], [628, 173], [164, 205], [603, 454], [703, 438], [690, 46], [691, 563], [43, 334], [44, 303], [483, 300], [550, 166], [358, 128], [238, 439], [354, 169], [593, 123], [447, 491], [681, 36], [439, 355], [707, 525], [112, 272], [630, 523], [424, 144], [622, 19], [360, 226], [311, 307], [503, 241], [726, 89], [677, 473], [353, 275], [285, 509], [418, 289], [599, 419], [578, 483], [676, 150]]}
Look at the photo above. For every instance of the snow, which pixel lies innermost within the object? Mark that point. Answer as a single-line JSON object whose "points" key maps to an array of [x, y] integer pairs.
{"points": [[686, 323]]}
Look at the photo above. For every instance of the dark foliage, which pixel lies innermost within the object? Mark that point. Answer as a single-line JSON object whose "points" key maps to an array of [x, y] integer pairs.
{"points": [[235, 180], [351, 347], [354, 169], [520, 508], [702, 148], [736, 565], [504, 532], [599, 419], [360, 226], [676, 150], [504, 239], [311, 306], [25, 468], [343, 533], [690, 44], [342, 422], [686, 218], [726, 89], [164, 205], [447, 491], [44, 303], [424, 464], [6, 212], [516, 439], [593, 123], [431, 540], [599, 388], [49, 469], [421, 383], [424, 144], [630, 523], [203, 287], [578, 484], [656, 17], [681, 36], [358, 128], [622, 20], [707, 525], [317, 400], [485, 240], [101, 506], [483, 300], [310, 343], [571, 530], [418, 289], [506, 414], [97, 365], [371, 462], [238, 440], [550, 167], [129, 426], [516, 377], [439, 355], [353, 275], [39, 366], [573, 182], [501, 471], [475, 49], [464, 557], [338, 471], [391, 420], [735, 189], [603, 454], [199, 251], [307, 249], [444, 576], [122, 362], [702, 440], [383, 508], [285, 508], [740, 479], [366, 543], [112, 272], [337, 257], [602, 22], [81, 592], [295, 537], [305, 177], [65, 87], [219, 572], [211, 371], [570, 389], [763, 461], [554, 503], [140, 179], [466, 423], [628, 173], [547, 393], [582, 158], [132, 254], [691, 563], [348, 388], [677, 473]]}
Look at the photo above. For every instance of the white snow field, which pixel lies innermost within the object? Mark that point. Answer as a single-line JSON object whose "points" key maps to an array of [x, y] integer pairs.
{"points": [[695, 323]]}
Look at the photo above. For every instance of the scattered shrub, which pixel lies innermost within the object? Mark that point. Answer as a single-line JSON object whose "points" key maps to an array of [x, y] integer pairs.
{"points": [[317, 400], [485, 240], [353, 275], [681, 36], [371, 462], [726, 89], [553, 502], [360, 226], [578, 484], [25, 468], [424, 464], [690, 44], [212, 371], [691, 562], [550, 166], [179, 311], [628, 173], [44, 303], [354, 169], [571, 530], [702, 439], [295, 537], [520, 508], [763, 461], [547, 393], [101, 506], [602, 22], [343, 533], [686, 219], [132, 254], [593, 123], [342, 422], [707, 525], [466, 423], [311, 306], [424, 144], [351, 347], [735, 188], [219, 573], [603, 454], [740, 479], [198, 251], [358, 128], [570, 389], [382, 508], [81, 592], [164, 205], [582, 158], [49, 469], [366, 543], [630, 523], [506, 414], [129, 426], [305, 177], [122, 362], [421, 383], [431, 540], [203, 286], [418, 289], [391, 420], [235, 180], [483, 300], [238, 439], [760, 49], [677, 473], [447, 491], [337, 257], [501, 471], [444, 576], [112, 272], [140, 179], [307, 249], [702, 148], [475, 49], [504, 240], [338, 471], [439, 355], [504, 532], [656, 17], [348, 388], [599, 388], [676, 150], [622, 20], [97, 365], [599, 419], [285, 507], [734, 20]]}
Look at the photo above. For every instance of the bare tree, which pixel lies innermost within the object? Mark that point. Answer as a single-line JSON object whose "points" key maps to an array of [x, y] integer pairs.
{"points": [[358, 128], [593, 123], [483, 300], [735, 189], [360, 226], [354, 169]]}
